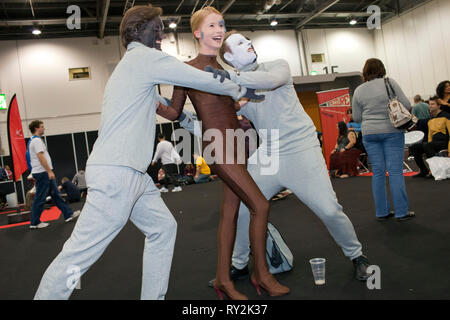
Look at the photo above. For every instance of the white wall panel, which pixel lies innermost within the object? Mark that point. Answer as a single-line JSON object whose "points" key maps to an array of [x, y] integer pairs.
{"points": [[436, 40], [272, 45], [444, 13], [415, 48]]}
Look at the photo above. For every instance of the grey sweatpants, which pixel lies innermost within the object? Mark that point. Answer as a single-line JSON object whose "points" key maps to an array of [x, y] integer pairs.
{"points": [[116, 194], [306, 175]]}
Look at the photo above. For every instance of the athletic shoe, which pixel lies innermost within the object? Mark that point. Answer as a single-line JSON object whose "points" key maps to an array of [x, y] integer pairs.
{"points": [[390, 215], [163, 190], [235, 274], [40, 225], [360, 264], [408, 216], [73, 216], [176, 189]]}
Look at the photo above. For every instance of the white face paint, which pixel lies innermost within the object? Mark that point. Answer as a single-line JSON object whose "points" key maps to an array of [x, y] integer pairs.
{"points": [[242, 53]]}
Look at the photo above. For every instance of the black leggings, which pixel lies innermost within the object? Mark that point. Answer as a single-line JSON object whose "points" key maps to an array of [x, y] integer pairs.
{"points": [[439, 142], [170, 171]]}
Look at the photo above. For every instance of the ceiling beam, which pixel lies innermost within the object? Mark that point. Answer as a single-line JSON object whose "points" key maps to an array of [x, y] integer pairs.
{"points": [[227, 6], [317, 13], [101, 32], [118, 19], [179, 6]]}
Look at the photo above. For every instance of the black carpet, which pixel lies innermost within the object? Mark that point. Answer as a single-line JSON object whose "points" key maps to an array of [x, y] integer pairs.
{"points": [[413, 256]]}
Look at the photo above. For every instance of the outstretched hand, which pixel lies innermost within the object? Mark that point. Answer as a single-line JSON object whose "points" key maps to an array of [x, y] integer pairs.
{"points": [[251, 95], [218, 72]]}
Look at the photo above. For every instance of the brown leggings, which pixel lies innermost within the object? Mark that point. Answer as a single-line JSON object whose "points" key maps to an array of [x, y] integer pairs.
{"points": [[239, 186]]}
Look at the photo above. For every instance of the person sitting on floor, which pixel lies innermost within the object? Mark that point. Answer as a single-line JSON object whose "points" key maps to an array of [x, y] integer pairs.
{"points": [[189, 170], [344, 157], [80, 181], [203, 172], [438, 137], [161, 176], [189, 173], [67, 187]]}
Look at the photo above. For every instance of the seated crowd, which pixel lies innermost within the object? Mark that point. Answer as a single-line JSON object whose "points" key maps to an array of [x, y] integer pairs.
{"points": [[433, 120]]}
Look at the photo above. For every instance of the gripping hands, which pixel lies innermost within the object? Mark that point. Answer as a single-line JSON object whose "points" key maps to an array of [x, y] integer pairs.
{"points": [[250, 93], [218, 72]]}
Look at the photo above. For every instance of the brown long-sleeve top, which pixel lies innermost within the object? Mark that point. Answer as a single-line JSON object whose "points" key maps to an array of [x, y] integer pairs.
{"points": [[215, 111]]}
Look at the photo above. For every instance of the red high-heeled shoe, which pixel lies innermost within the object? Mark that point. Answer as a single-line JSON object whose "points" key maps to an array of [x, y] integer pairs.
{"points": [[236, 295], [275, 289]]}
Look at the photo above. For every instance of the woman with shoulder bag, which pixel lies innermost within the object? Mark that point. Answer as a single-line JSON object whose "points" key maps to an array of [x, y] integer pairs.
{"points": [[384, 142]]}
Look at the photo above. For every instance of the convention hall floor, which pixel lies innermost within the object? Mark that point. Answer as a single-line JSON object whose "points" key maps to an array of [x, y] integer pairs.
{"points": [[413, 255]]}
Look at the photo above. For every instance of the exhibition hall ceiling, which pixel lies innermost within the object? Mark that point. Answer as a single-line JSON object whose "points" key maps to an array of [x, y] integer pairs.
{"points": [[90, 18]]}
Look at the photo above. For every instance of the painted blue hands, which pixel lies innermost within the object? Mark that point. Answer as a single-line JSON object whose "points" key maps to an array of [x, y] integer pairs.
{"points": [[217, 72], [251, 95]]}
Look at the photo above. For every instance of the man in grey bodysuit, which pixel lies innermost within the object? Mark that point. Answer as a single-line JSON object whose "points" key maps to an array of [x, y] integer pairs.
{"points": [[119, 188], [299, 148]]}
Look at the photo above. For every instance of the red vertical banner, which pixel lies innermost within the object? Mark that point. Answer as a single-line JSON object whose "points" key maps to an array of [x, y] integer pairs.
{"points": [[333, 106], [17, 146]]}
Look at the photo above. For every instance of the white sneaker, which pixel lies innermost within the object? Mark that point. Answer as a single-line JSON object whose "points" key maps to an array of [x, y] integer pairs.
{"points": [[40, 225], [73, 216], [163, 190], [176, 189]]}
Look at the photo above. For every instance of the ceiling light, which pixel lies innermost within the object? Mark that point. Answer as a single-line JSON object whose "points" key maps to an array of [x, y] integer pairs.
{"points": [[172, 25], [273, 23], [36, 31], [353, 22]]}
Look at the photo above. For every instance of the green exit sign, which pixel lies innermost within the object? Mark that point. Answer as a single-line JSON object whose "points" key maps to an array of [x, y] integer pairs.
{"points": [[3, 102]]}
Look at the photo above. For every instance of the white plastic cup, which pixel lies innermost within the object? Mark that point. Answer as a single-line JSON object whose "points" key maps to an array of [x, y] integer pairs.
{"points": [[318, 270]]}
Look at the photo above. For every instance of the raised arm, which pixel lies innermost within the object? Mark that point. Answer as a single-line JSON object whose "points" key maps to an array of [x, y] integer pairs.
{"points": [[279, 74], [169, 70]]}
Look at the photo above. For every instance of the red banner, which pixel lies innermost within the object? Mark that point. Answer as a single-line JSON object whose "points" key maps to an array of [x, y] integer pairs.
{"points": [[333, 106], [17, 146]]}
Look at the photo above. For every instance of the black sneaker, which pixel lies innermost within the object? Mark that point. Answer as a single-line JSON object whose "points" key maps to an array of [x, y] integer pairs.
{"points": [[408, 216], [235, 274], [390, 215], [360, 264]]}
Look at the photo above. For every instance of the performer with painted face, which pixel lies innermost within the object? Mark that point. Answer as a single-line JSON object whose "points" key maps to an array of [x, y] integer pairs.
{"points": [[302, 168], [218, 112], [119, 188]]}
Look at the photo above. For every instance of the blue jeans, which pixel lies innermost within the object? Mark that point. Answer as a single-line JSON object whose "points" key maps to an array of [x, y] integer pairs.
{"points": [[44, 186], [386, 152], [202, 178]]}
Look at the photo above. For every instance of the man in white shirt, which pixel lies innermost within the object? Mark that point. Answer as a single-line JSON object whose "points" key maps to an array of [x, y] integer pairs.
{"points": [[168, 155], [42, 172]]}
